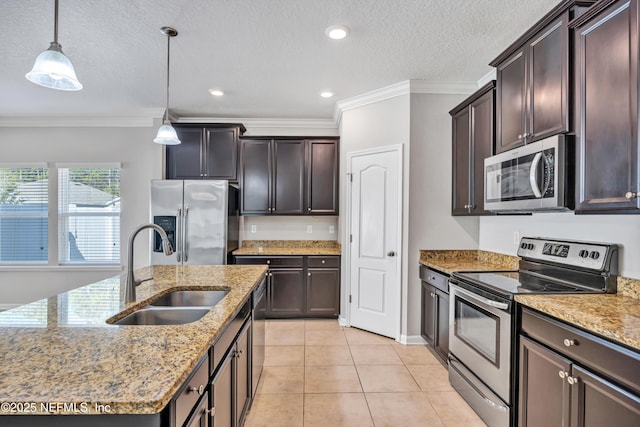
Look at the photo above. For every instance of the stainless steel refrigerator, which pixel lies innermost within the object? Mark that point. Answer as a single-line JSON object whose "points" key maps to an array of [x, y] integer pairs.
{"points": [[201, 218]]}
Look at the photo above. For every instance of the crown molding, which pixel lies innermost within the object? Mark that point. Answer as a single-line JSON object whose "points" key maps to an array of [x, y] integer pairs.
{"points": [[491, 75], [447, 88], [137, 120], [264, 122]]}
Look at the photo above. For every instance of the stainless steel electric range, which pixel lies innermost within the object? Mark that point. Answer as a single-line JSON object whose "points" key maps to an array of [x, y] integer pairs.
{"points": [[483, 316]]}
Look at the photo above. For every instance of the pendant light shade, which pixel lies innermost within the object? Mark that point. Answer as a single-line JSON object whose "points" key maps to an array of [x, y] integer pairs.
{"points": [[167, 134], [52, 68]]}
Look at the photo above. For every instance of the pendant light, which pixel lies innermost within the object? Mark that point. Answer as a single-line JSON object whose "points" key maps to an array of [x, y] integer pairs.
{"points": [[167, 134], [52, 68]]}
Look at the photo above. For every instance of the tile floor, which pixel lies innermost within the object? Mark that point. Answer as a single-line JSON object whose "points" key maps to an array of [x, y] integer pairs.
{"points": [[318, 373]]}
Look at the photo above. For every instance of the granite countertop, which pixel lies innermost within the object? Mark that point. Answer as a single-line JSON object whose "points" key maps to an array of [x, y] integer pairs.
{"points": [[612, 316], [61, 350], [449, 261], [288, 247]]}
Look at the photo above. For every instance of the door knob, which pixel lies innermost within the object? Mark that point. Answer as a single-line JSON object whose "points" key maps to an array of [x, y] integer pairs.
{"points": [[391, 253]]}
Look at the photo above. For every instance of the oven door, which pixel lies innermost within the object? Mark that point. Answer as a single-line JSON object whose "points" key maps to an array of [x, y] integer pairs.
{"points": [[480, 338]]}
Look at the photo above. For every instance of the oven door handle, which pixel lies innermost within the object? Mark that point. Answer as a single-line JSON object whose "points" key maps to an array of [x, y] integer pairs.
{"points": [[487, 301], [533, 179]]}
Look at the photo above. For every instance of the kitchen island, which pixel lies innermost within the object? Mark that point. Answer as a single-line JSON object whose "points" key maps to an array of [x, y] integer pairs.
{"points": [[59, 356]]}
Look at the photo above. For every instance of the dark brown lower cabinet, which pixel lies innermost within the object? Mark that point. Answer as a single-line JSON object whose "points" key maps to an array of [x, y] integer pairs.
{"points": [[435, 311], [285, 293], [569, 377], [323, 291], [221, 394], [200, 416]]}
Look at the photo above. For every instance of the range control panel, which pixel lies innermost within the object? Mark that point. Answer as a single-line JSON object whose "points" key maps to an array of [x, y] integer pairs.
{"points": [[590, 255]]}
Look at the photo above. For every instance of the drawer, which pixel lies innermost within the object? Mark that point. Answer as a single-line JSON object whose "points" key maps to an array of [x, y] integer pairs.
{"points": [[434, 278], [222, 344], [323, 261], [612, 360], [274, 261], [195, 387]]}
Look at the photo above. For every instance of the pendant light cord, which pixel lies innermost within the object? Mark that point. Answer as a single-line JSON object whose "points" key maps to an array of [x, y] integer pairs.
{"points": [[55, 23], [166, 112]]}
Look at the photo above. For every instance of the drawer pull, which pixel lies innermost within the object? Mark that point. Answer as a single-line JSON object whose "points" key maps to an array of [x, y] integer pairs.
{"points": [[432, 295], [199, 389], [569, 342], [572, 380], [323, 261], [268, 261], [563, 374], [432, 277]]}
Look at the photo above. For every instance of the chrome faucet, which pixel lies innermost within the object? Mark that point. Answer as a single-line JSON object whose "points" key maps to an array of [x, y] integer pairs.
{"points": [[131, 283]]}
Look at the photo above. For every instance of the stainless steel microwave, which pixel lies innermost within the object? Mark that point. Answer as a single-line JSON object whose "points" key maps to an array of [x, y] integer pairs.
{"points": [[529, 178]]}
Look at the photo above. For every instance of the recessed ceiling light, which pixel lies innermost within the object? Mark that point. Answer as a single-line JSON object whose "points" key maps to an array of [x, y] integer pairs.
{"points": [[326, 94], [216, 92], [337, 32]]}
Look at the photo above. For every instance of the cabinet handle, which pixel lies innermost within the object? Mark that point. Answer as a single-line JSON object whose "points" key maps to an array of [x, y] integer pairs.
{"points": [[309, 209], [239, 352], [563, 374], [572, 380], [631, 195], [569, 342], [199, 389], [309, 274], [520, 136], [211, 411], [268, 261], [432, 295], [323, 261]]}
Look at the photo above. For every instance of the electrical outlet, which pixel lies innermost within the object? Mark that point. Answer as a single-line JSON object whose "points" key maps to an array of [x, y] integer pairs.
{"points": [[332, 229], [309, 229], [254, 229]]}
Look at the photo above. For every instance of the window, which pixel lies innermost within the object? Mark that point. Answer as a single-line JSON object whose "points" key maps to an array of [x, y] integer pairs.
{"points": [[24, 205], [89, 215]]}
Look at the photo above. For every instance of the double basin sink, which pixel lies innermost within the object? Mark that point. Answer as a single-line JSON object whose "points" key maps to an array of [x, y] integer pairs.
{"points": [[174, 308]]}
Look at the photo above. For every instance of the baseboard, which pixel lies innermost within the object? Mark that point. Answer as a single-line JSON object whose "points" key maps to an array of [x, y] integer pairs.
{"points": [[342, 321], [412, 340]]}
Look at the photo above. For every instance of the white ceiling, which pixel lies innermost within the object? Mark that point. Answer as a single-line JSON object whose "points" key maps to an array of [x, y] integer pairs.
{"points": [[271, 57]]}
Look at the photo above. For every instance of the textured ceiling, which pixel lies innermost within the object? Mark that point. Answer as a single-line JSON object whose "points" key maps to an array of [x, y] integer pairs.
{"points": [[271, 57]]}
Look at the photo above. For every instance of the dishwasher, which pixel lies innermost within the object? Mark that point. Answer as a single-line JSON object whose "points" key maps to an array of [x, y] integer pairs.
{"points": [[258, 335]]}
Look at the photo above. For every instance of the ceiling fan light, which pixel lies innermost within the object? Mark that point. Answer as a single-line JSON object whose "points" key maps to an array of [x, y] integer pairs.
{"points": [[54, 70], [167, 135]]}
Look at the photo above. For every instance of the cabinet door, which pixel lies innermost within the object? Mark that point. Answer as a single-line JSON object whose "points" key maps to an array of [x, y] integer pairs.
{"points": [[184, 161], [243, 379], [322, 177], [256, 177], [482, 142], [323, 292], [441, 342], [222, 393], [544, 392], [510, 103], [221, 153], [607, 137], [548, 62], [200, 416], [596, 402], [428, 315], [286, 293], [288, 177], [461, 158]]}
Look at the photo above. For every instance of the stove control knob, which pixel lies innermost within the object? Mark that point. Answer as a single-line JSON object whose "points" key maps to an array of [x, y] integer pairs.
{"points": [[583, 253], [594, 255], [523, 245], [531, 246]]}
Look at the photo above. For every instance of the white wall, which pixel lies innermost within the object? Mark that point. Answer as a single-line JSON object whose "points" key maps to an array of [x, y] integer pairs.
{"points": [[289, 228], [497, 233], [141, 161]]}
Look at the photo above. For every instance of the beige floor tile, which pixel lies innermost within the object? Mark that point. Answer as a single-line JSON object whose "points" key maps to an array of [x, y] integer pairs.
{"points": [[281, 380], [284, 355], [279, 335], [331, 379], [287, 324], [315, 324], [360, 337], [324, 337], [431, 377], [386, 378], [336, 410], [374, 355], [453, 410], [327, 355], [402, 409], [282, 410], [415, 354]]}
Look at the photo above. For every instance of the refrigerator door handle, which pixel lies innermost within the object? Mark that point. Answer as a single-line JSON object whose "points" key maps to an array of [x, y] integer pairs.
{"points": [[179, 236], [185, 240]]}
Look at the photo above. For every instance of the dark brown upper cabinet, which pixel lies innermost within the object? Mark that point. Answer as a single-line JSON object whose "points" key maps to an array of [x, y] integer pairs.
{"points": [[284, 176], [606, 78], [473, 140], [207, 152], [532, 98]]}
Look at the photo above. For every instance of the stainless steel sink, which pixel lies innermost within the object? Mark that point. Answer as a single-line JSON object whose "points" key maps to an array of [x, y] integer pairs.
{"points": [[163, 316], [190, 299]]}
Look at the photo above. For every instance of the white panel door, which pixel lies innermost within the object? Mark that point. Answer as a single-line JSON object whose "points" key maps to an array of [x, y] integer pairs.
{"points": [[375, 206]]}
